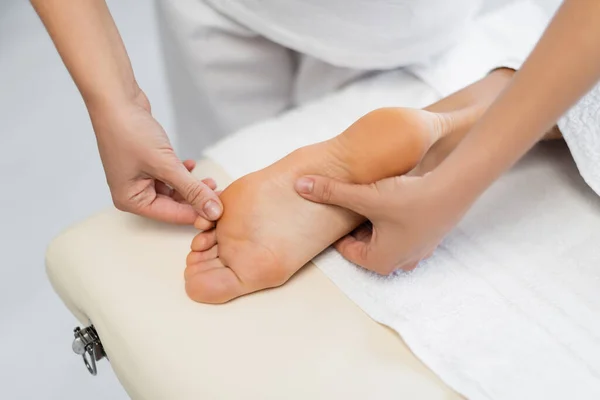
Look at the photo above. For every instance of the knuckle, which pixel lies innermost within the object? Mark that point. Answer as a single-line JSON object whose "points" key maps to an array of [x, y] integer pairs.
{"points": [[326, 191], [276, 277], [382, 266], [120, 204], [194, 192], [386, 270], [365, 258], [410, 267]]}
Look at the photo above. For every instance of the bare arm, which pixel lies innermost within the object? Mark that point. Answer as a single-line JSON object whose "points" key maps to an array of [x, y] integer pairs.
{"points": [[89, 43], [564, 65], [140, 164], [411, 215]]}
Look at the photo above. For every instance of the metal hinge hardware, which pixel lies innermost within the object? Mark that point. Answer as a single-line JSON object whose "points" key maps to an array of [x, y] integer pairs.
{"points": [[87, 344]]}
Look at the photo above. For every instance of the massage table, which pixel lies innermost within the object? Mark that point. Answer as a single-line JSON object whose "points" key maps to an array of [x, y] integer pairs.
{"points": [[123, 275]]}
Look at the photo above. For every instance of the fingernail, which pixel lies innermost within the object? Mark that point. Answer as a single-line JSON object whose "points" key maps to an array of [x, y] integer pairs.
{"points": [[212, 209], [305, 185]]}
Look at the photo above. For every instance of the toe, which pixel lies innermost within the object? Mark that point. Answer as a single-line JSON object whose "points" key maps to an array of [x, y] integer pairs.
{"points": [[214, 285], [242, 268], [204, 240], [201, 266], [198, 256], [203, 224]]}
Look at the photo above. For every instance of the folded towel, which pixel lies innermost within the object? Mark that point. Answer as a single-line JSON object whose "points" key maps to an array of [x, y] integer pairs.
{"points": [[508, 307]]}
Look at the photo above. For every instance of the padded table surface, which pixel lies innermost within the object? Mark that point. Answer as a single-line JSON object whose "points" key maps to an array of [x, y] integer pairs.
{"points": [[304, 340]]}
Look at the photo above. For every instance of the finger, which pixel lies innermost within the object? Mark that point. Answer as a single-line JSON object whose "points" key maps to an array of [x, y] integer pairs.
{"points": [[203, 224], [202, 198], [210, 182], [162, 188], [366, 253], [409, 266], [358, 198], [189, 165], [204, 240], [354, 250], [164, 208], [363, 232]]}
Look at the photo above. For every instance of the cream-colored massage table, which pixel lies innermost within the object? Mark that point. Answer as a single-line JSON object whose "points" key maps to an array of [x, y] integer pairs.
{"points": [[305, 340]]}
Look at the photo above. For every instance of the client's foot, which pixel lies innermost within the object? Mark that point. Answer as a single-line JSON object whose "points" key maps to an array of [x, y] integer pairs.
{"points": [[268, 232]]}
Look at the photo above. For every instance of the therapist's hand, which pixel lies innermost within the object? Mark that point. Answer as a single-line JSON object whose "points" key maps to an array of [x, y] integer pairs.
{"points": [[144, 174], [409, 216]]}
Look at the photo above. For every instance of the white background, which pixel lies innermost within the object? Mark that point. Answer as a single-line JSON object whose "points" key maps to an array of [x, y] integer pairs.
{"points": [[51, 177]]}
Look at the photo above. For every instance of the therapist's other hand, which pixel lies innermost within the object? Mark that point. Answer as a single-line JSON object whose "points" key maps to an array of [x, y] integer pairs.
{"points": [[409, 219], [144, 174]]}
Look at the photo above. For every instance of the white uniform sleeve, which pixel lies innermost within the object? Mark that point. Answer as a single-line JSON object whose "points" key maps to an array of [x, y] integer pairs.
{"points": [[502, 38]]}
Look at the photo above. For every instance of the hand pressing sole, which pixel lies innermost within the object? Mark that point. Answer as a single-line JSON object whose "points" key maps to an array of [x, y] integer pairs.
{"points": [[268, 232]]}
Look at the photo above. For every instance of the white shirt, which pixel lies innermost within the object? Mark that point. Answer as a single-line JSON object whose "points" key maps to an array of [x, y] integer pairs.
{"points": [[364, 34]]}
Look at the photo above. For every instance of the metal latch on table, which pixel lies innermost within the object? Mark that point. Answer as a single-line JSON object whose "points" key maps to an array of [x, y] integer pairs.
{"points": [[88, 345]]}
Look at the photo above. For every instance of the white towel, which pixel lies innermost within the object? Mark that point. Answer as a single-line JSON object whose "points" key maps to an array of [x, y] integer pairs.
{"points": [[581, 130], [509, 305]]}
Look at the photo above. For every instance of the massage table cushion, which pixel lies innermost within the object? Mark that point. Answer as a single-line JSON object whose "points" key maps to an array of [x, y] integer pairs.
{"points": [[124, 275]]}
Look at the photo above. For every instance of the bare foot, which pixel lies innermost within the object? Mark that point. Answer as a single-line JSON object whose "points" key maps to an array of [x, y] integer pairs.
{"points": [[268, 232]]}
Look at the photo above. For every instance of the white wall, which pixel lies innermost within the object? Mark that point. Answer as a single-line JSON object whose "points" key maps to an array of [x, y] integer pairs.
{"points": [[51, 177]]}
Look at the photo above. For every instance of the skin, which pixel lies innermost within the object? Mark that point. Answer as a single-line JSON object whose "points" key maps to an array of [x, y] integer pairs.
{"points": [[411, 216], [264, 218], [256, 243], [144, 174]]}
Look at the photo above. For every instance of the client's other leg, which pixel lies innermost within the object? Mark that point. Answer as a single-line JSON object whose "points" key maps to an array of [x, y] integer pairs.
{"points": [[268, 232]]}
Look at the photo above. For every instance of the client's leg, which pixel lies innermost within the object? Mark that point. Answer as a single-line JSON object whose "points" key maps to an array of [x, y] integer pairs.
{"points": [[268, 232]]}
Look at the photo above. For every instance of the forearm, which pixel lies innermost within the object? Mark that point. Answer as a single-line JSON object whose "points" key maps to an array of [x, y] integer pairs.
{"points": [[89, 44], [562, 67], [478, 95], [463, 109]]}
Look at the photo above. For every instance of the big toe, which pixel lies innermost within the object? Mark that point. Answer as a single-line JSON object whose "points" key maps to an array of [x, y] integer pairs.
{"points": [[212, 283]]}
